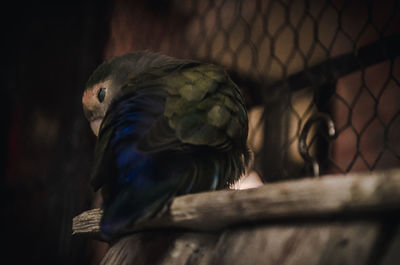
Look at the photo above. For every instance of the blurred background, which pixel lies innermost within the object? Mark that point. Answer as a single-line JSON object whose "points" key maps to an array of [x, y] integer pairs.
{"points": [[293, 60]]}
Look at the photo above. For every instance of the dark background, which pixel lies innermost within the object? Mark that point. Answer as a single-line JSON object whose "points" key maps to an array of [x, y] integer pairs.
{"points": [[48, 52]]}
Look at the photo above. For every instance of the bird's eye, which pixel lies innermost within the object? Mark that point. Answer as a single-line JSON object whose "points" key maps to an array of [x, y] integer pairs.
{"points": [[101, 94]]}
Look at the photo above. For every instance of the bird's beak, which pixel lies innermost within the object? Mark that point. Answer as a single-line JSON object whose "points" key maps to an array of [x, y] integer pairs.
{"points": [[95, 125]]}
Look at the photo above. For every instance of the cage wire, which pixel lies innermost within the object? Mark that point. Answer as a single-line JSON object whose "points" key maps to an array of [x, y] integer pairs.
{"points": [[295, 61]]}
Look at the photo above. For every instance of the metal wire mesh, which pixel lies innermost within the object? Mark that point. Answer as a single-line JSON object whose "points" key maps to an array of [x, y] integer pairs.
{"points": [[293, 59]]}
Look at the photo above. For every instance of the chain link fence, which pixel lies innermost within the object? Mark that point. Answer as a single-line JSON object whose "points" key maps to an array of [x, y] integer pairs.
{"points": [[299, 63]]}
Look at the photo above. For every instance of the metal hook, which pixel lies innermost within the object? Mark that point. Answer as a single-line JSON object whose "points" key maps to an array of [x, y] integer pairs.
{"points": [[303, 137]]}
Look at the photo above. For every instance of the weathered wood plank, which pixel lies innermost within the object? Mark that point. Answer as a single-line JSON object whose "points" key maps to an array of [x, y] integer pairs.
{"points": [[345, 243], [330, 195]]}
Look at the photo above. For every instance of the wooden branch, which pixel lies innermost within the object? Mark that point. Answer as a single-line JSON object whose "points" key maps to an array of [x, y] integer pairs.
{"points": [[87, 222], [329, 195]]}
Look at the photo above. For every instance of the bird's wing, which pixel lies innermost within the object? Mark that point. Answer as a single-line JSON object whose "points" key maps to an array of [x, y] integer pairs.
{"points": [[204, 113], [203, 107], [144, 155]]}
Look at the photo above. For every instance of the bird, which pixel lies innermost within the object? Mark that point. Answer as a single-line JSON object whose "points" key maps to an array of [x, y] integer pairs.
{"points": [[165, 127]]}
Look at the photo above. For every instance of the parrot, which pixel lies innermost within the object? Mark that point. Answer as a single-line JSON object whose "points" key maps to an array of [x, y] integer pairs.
{"points": [[165, 127]]}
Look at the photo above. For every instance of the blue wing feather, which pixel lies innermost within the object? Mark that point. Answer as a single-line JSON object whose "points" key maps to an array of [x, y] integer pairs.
{"points": [[141, 182]]}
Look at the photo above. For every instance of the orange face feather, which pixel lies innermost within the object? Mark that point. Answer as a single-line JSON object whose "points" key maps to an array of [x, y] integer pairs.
{"points": [[94, 109]]}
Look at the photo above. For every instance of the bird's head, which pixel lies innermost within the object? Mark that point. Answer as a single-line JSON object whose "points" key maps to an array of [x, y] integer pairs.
{"points": [[105, 84]]}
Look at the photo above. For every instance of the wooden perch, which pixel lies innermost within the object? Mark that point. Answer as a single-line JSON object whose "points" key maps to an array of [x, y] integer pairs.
{"points": [[329, 195]]}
